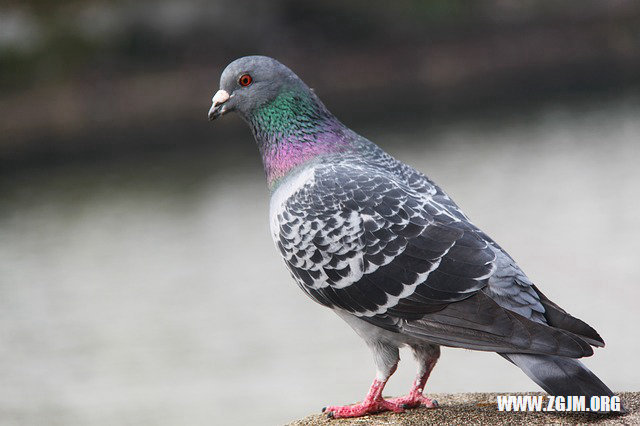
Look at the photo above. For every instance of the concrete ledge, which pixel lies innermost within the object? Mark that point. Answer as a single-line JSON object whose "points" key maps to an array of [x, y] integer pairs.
{"points": [[481, 408]]}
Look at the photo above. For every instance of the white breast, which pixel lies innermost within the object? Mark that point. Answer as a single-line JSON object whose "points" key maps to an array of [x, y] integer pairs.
{"points": [[282, 194]]}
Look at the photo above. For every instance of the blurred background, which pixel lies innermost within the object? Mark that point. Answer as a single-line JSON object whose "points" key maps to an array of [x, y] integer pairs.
{"points": [[138, 281]]}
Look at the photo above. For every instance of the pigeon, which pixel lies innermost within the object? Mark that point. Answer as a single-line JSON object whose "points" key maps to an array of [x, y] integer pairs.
{"points": [[387, 250]]}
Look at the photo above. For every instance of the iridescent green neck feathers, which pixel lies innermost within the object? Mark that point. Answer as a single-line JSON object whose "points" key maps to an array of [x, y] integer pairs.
{"points": [[294, 129]]}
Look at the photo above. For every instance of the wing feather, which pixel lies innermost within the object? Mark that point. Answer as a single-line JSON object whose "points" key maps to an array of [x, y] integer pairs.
{"points": [[395, 251]]}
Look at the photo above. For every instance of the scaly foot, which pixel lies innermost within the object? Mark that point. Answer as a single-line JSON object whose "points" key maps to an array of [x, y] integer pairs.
{"points": [[362, 409], [413, 400]]}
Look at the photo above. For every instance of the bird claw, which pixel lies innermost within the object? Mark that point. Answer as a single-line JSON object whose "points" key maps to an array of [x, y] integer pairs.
{"points": [[415, 400], [363, 408]]}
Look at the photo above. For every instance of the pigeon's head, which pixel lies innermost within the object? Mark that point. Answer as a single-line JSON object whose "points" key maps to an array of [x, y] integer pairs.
{"points": [[250, 82]]}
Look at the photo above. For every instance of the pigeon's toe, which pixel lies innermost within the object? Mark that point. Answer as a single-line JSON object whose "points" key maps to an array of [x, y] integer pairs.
{"points": [[415, 400], [363, 408]]}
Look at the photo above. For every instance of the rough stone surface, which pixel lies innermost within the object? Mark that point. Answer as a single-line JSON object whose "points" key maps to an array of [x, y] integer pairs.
{"points": [[481, 408]]}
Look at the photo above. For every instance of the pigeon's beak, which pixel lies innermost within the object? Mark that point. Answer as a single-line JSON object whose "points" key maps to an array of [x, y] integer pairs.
{"points": [[217, 104]]}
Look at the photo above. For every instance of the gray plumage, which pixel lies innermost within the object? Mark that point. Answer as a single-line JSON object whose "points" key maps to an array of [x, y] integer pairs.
{"points": [[386, 248]]}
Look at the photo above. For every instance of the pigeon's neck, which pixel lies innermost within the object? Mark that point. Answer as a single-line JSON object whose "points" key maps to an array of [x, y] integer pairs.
{"points": [[294, 130]]}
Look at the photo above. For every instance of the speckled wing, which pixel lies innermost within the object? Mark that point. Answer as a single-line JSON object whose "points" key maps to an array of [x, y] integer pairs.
{"points": [[360, 238], [355, 239]]}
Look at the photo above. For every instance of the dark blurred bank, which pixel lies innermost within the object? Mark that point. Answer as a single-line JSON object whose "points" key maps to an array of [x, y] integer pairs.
{"points": [[98, 78]]}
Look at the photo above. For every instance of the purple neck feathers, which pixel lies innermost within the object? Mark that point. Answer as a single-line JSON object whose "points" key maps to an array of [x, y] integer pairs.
{"points": [[296, 129]]}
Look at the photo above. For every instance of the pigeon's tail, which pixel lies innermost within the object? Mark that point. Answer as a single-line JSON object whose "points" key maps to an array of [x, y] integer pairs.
{"points": [[560, 375]]}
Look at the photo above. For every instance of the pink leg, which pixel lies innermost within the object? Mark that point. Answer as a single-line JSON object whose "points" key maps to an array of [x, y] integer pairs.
{"points": [[415, 398], [373, 403], [427, 356]]}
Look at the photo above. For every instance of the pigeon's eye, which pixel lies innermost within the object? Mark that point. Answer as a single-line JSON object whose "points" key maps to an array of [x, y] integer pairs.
{"points": [[245, 80]]}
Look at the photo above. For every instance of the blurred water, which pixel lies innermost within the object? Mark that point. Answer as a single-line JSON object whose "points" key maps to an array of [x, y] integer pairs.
{"points": [[148, 292]]}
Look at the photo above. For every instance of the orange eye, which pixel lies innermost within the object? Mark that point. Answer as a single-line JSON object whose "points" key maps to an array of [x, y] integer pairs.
{"points": [[245, 80]]}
